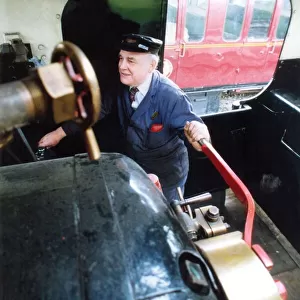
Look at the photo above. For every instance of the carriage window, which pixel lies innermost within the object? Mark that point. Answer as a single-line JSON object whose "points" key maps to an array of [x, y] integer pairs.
{"points": [[284, 20], [171, 22], [261, 19], [195, 20], [234, 20]]}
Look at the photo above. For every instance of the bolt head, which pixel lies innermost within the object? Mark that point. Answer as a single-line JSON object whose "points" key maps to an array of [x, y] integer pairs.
{"points": [[213, 211]]}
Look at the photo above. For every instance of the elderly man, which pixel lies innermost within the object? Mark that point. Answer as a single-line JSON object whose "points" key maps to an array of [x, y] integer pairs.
{"points": [[154, 113]]}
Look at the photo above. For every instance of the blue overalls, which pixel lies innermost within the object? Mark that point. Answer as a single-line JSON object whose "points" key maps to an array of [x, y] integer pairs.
{"points": [[154, 132]]}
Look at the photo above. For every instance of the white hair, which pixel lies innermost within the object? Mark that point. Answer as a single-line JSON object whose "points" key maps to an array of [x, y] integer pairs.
{"points": [[154, 57]]}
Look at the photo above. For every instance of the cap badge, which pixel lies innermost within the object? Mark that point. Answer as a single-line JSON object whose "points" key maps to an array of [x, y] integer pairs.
{"points": [[143, 47]]}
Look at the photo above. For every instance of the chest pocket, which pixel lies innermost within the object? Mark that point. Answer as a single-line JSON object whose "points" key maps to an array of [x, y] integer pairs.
{"points": [[158, 135]]}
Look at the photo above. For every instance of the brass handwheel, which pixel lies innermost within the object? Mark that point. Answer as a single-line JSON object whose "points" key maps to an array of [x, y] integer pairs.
{"points": [[89, 98], [86, 71]]}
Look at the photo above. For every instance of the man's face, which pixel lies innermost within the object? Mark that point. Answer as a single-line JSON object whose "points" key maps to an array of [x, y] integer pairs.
{"points": [[134, 67]]}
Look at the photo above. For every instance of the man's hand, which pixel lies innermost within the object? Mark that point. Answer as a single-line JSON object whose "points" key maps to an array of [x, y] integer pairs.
{"points": [[52, 139], [194, 132]]}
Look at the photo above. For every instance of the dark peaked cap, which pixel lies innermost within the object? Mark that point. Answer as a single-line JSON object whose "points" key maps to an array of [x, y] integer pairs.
{"points": [[140, 43]]}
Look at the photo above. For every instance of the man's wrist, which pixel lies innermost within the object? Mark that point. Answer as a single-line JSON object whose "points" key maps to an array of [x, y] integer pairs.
{"points": [[60, 133]]}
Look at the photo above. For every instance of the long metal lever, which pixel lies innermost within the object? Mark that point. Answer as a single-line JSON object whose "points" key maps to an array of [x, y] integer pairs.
{"points": [[237, 186]]}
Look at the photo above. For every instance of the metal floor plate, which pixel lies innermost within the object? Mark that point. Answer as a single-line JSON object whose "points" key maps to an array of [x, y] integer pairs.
{"points": [[284, 256]]}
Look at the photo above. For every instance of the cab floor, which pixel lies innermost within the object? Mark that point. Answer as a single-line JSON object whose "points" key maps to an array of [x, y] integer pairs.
{"points": [[284, 256]]}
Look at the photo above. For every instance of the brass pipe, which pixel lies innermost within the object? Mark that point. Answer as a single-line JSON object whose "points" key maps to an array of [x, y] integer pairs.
{"points": [[39, 97], [17, 107]]}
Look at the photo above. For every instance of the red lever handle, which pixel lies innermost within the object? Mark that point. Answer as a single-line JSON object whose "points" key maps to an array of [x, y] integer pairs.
{"points": [[237, 186], [243, 194]]}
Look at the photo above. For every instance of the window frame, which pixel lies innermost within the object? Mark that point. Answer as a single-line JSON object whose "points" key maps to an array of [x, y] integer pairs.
{"points": [[251, 39], [176, 25], [242, 27], [290, 16], [205, 23]]}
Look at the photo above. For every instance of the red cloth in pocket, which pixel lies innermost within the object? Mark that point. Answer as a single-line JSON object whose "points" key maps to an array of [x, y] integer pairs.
{"points": [[156, 127]]}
